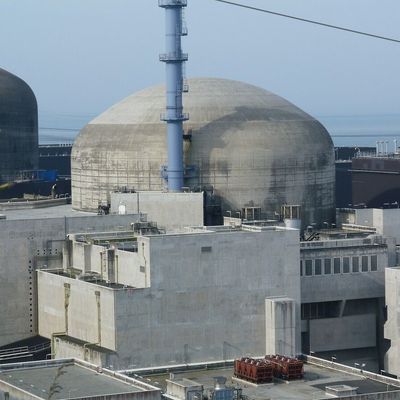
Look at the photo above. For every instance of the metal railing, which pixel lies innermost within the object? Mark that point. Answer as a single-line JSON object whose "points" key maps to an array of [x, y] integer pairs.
{"points": [[22, 351], [174, 56], [172, 3], [180, 117]]}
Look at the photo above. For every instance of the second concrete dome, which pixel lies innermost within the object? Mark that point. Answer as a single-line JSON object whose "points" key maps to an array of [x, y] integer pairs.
{"points": [[18, 127], [252, 146]]}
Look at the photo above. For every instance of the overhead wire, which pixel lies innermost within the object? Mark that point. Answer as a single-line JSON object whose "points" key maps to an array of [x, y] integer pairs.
{"points": [[310, 21]]}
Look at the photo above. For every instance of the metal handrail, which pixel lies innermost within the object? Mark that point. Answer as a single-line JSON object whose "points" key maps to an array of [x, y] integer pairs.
{"points": [[24, 349], [165, 3], [174, 56], [14, 350]]}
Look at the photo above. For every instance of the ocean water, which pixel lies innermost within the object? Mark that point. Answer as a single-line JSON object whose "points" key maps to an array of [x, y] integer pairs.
{"points": [[56, 128], [362, 130], [348, 130]]}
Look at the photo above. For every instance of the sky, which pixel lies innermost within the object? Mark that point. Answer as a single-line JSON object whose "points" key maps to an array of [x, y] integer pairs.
{"points": [[82, 56]]}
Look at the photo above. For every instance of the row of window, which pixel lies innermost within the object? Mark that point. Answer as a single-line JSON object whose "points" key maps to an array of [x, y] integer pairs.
{"points": [[326, 309], [338, 265]]}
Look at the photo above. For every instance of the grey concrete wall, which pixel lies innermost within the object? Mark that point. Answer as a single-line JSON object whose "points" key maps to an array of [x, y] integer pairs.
{"points": [[21, 242], [26, 245], [392, 325], [130, 269], [386, 221], [366, 217], [171, 211], [207, 297], [352, 332], [280, 326], [84, 321], [86, 256], [67, 349]]}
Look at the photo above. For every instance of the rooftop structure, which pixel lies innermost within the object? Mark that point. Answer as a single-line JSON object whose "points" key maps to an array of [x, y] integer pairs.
{"points": [[322, 380], [69, 379]]}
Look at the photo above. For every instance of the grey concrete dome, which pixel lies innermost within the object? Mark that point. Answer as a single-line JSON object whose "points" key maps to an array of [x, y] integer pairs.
{"points": [[18, 126], [252, 146]]}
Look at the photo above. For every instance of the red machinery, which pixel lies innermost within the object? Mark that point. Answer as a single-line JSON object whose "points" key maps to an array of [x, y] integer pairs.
{"points": [[285, 367], [257, 371]]}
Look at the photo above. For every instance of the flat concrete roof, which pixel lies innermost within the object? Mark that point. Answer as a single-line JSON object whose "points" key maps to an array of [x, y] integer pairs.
{"points": [[313, 385], [65, 379], [92, 280], [64, 210]]}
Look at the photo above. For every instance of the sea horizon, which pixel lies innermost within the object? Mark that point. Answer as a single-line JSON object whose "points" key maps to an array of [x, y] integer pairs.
{"points": [[345, 130]]}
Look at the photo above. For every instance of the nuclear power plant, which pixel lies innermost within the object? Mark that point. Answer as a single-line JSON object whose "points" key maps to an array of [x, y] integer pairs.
{"points": [[202, 230]]}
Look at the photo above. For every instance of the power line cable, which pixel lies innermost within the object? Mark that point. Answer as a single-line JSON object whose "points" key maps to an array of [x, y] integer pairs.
{"points": [[310, 21]]}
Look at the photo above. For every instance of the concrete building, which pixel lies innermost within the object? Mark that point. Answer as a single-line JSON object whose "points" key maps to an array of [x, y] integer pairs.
{"points": [[385, 221], [32, 239], [70, 379], [199, 295], [19, 127], [340, 281], [243, 145], [172, 298], [342, 293]]}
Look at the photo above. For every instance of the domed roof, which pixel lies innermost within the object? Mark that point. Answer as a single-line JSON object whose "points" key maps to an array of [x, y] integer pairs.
{"points": [[14, 92], [215, 100], [208, 99], [250, 145], [18, 126]]}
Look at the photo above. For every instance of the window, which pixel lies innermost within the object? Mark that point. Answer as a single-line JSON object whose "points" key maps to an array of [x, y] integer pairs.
{"points": [[328, 309], [308, 267], [301, 267], [374, 263], [206, 249], [364, 263], [355, 264], [318, 266], [346, 265], [336, 265], [327, 266]]}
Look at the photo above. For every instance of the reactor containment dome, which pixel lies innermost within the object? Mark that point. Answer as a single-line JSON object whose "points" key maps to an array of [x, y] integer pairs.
{"points": [[250, 147], [18, 127]]}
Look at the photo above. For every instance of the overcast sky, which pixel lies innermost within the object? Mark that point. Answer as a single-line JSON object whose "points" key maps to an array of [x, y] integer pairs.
{"points": [[81, 56]]}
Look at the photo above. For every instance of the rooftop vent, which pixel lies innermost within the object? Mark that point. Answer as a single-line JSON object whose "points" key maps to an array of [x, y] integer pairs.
{"points": [[340, 390]]}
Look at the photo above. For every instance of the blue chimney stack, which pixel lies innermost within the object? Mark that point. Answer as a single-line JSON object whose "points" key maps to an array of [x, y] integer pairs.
{"points": [[174, 116]]}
